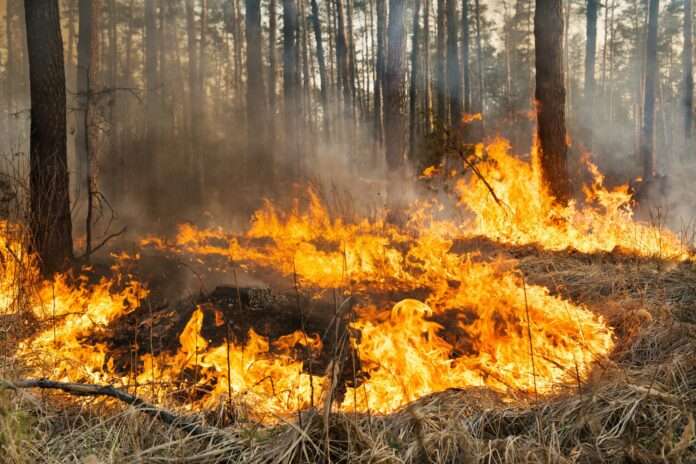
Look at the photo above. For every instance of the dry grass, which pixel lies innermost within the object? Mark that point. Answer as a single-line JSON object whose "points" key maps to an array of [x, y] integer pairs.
{"points": [[637, 407]]}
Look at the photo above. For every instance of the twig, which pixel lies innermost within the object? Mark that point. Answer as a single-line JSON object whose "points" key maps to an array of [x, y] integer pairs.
{"points": [[103, 243], [186, 424]]}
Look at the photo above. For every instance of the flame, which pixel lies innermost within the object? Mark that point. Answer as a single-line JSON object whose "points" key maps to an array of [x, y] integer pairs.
{"points": [[527, 214], [468, 118], [479, 324]]}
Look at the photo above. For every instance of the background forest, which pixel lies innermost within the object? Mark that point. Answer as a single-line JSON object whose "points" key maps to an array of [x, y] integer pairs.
{"points": [[181, 107]]}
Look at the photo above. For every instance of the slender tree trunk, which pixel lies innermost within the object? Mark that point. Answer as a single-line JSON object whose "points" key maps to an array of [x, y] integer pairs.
{"points": [[688, 73], [481, 81], [291, 84], [152, 84], [381, 65], [454, 78], [427, 84], [260, 158], [342, 62], [272, 62], [440, 80], [50, 223], [590, 60], [550, 96], [647, 133], [415, 72], [465, 56], [393, 97], [323, 78]]}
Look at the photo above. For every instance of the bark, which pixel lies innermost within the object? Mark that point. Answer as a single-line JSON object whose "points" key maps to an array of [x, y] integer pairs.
{"points": [[454, 78], [260, 161], [272, 60], [647, 132], [415, 72], [291, 83], [342, 60], [427, 84], [393, 95], [440, 80], [590, 54], [688, 78], [149, 179], [381, 66], [550, 96], [466, 73], [50, 223], [323, 78], [481, 81]]}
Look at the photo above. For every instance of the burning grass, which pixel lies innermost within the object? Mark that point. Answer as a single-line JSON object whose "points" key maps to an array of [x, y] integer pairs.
{"points": [[530, 333]]}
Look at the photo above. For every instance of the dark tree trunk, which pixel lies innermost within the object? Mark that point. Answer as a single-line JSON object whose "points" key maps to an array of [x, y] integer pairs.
{"points": [[393, 97], [427, 78], [291, 84], [152, 102], [323, 79], [259, 161], [50, 223], [381, 65], [688, 64], [647, 132], [454, 78], [272, 61], [413, 84], [342, 61], [550, 96], [440, 61], [481, 81], [466, 73], [590, 59]]}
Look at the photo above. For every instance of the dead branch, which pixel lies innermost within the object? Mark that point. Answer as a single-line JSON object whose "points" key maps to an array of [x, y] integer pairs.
{"points": [[188, 425], [103, 243]]}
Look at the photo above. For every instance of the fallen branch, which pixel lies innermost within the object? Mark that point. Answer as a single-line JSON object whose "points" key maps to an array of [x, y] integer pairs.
{"points": [[186, 424]]}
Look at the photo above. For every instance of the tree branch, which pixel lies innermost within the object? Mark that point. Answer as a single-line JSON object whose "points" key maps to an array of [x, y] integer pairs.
{"points": [[78, 389]]}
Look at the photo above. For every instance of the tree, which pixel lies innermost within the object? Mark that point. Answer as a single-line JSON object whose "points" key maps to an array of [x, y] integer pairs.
{"points": [[259, 158], [291, 82], [440, 79], [323, 79], [479, 59], [550, 96], [413, 83], [647, 132], [454, 78], [393, 95], [380, 68], [465, 56], [590, 52], [688, 72], [50, 224]]}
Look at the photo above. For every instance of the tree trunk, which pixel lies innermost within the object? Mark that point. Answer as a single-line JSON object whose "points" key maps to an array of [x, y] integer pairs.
{"points": [[152, 102], [550, 96], [454, 78], [427, 80], [688, 78], [440, 80], [260, 161], [590, 60], [413, 83], [647, 132], [466, 73], [291, 84], [481, 81], [381, 65], [272, 62], [323, 79], [50, 223], [393, 98]]}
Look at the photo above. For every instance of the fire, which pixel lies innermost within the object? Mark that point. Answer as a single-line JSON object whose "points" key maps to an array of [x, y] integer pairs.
{"points": [[526, 214], [479, 323]]}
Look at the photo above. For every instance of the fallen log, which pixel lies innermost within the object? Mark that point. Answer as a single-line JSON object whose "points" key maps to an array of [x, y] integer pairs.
{"points": [[186, 424]]}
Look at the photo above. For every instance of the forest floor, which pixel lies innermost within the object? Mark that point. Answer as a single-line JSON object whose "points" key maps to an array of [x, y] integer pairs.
{"points": [[637, 406]]}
